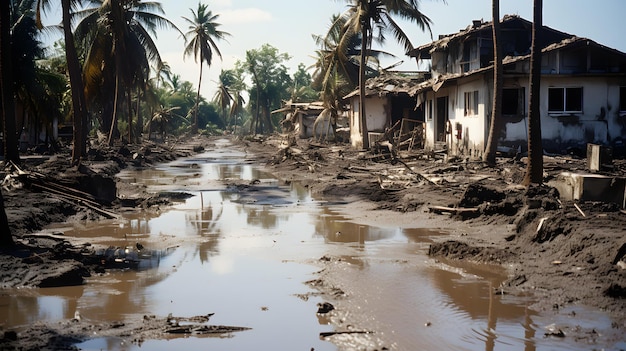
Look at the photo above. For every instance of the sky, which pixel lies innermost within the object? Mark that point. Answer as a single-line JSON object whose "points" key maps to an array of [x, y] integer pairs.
{"points": [[288, 25]]}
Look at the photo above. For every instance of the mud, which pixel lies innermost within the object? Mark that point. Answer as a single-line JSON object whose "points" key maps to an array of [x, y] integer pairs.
{"points": [[547, 246]]}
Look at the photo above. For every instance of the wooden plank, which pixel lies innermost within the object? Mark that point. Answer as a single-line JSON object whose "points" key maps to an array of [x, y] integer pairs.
{"points": [[454, 210]]}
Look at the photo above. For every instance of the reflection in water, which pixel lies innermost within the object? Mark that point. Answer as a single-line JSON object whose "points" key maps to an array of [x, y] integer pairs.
{"points": [[234, 249]]}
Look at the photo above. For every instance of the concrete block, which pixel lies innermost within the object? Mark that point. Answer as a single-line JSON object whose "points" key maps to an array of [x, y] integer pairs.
{"points": [[591, 187], [599, 157]]}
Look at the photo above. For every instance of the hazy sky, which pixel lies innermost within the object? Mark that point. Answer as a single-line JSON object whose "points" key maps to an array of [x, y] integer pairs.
{"points": [[288, 25]]}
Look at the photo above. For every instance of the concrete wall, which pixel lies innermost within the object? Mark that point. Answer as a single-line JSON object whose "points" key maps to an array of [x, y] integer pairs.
{"points": [[376, 109]]}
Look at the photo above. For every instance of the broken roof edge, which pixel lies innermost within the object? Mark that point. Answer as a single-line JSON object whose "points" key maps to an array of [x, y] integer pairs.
{"points": [[436, 83], [424, 51], [391, 82], [289, 106]]}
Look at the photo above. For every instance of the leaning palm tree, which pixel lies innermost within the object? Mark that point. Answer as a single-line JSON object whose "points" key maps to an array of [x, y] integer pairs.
{"points": [[79, 105], [496, 108], [369, 16], [534, 168], [204, 31]]}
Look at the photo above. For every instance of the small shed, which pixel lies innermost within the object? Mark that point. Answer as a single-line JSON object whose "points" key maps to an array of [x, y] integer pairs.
{"points": [[300, 118]]}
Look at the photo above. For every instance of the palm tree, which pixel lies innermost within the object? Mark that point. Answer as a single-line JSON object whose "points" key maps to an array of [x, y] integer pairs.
{"points": [[333, 58], [223, 98], [337, 68], [204, 31], [174, 82], [368, 16], [496, 108], [162, 117], [118, 35], [534, 168]]}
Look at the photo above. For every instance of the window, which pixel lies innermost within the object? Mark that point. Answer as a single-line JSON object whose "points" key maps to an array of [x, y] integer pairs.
{"points": [[471, 103], [565, 100], [622, 99], [429, 109], [513, 101]]}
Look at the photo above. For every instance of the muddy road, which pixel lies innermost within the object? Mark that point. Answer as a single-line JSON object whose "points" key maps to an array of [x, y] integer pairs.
{"points": [[218, 243]]}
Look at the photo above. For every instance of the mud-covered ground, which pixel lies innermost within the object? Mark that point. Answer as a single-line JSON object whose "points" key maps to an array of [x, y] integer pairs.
{"points": [[561, 252]]}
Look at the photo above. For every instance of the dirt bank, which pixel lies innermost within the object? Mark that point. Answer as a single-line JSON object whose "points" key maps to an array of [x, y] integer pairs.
{"points": [[562, 252]]}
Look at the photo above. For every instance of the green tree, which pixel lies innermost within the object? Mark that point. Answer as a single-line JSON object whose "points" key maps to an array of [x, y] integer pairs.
{"points": [[302, 90], [223, 97], [204, 31], [496, 105], [369, 16], [39, 86], [534, 168], [270, 85]]}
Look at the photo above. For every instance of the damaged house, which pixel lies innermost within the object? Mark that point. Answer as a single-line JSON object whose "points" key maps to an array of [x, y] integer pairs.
{"points": [[389, 103], [583, 91]]}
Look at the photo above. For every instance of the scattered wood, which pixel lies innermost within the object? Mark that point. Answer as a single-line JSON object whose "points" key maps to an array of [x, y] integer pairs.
{"points": [[419, 175], [453, 210], [579, 210], [68, 194]]}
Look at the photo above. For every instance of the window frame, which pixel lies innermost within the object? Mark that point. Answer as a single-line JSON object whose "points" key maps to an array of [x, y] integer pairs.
{"points": [[470, 103], [565, 103]]}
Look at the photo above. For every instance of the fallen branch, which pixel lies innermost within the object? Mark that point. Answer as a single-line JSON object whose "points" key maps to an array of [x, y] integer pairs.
{"points": [[327, 334]]}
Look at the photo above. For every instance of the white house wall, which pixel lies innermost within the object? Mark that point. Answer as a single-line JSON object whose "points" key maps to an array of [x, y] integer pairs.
{"points": [[598, 123], [472, 142]]}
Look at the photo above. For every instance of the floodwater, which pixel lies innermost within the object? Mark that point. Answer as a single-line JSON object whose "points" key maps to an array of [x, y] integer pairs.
{"points": [[247, 256]]}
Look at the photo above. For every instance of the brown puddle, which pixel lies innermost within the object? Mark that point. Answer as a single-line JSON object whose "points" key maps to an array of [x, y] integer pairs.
{"points": [[246, 257]]}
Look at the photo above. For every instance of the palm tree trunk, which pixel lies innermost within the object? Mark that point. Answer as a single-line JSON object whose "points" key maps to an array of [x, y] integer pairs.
{"points": [[8, 113], [6, 238], [496, 109], [76, 85], [534, 169], [139, 117], [195, 118], [115, 102], [269, 126], [11, 152], [130, 116], [362, 116]]}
